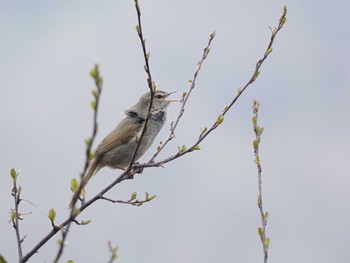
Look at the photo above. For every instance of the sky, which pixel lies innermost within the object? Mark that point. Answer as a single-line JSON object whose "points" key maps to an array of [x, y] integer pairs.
{"points": [[206, 205]]}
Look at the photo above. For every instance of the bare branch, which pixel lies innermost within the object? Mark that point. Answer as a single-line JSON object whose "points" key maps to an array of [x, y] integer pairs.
{"points": [[256, 143], [184, 99], [15, 215]]}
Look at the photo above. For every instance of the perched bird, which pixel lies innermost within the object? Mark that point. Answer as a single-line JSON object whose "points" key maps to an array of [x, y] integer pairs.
{"points": [[118, 147]]}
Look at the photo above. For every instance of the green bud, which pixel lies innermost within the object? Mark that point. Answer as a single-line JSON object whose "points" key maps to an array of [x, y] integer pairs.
{"points": [[74, 185], [260, 231], [220, 119], [52, 215]]}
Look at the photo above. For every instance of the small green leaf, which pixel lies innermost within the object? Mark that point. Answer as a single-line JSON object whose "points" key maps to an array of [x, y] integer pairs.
{"points": [[70, 261], [88, 142], [283, 21], [254, 120], [76, 212], [148, 55], [13, 173], [93, 104], [151, 198], [52, 215], [266, 215], [260, 231], [94, 93], [91, 156], [255, 144], [133, 196], [2, 259], [259, 130], [225, 107], [196, 148], [239, 91], [190, 81], [257, 161], [74, 185], [203, 130], [12, 215], [183, 148], [85, 222], [137, 29], [269, 51], [266, 243], [220, 119], [256, 74], [95, 72]]}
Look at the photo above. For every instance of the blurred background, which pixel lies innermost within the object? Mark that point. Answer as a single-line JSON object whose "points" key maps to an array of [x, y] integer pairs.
{"points": [[206, 205]]}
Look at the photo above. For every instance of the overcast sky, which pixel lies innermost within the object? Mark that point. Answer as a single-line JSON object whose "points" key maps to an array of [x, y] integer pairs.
{"points": [[205, 210]]}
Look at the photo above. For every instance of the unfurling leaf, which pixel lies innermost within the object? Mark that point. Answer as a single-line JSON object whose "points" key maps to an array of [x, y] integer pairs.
{"points": [[183, 148], [150, 198], [12, 215], [254, 120], [95, 73], [269, 51], [93, 104], [266, 243], [203, 130], [94, 93], [13, 174], [266, 215], [70, 261], [74, 185], [85, 222], [133, 196], [259, 130], [220, 119], [88, 142], [91, 156], [196, 148], [260, 231], [137, 29], [52, 215], [255, 144]]}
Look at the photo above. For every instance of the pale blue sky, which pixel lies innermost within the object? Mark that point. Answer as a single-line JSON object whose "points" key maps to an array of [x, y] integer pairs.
{"points": [[205, 210]]}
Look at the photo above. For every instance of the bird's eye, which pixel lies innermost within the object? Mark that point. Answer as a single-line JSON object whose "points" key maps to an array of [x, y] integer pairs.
{"points": [[159, 96]]}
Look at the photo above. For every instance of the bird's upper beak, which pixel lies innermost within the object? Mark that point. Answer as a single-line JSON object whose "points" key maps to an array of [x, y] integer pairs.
{"points": [[170, 100]]}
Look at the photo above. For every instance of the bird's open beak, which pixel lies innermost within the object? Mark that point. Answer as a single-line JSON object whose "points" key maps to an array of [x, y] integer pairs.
{"points": [[170, 100]]}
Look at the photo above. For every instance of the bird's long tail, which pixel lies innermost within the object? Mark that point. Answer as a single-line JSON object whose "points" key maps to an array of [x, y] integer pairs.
{"points": [[92, 169]]}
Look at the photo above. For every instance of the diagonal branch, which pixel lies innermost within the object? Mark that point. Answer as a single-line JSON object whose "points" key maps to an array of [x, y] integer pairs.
{"points": [[185, 97], [220, 118]]}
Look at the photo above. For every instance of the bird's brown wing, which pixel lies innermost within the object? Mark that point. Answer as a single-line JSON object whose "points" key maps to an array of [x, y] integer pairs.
{"points": [[120, 135]]}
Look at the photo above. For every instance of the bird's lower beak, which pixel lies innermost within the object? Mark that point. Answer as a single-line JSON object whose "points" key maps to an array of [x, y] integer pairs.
{"points": [[170, 100]]}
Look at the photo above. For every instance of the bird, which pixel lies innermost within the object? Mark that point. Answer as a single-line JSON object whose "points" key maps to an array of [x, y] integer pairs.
{"points": [[117, 149]]}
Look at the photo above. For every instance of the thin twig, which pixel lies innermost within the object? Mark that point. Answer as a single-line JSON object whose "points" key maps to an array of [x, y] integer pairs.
{"points": [[151, 84], [95, 105], [184, 99], [16, 193], [256, 143], [220, 119]]}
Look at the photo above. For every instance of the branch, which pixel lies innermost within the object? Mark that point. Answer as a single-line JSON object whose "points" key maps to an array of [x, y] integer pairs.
{"points": [[256, 143], [95, 74], [15, 215], [151, 84], [205, 132], [184, 99], [132, 201]]}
